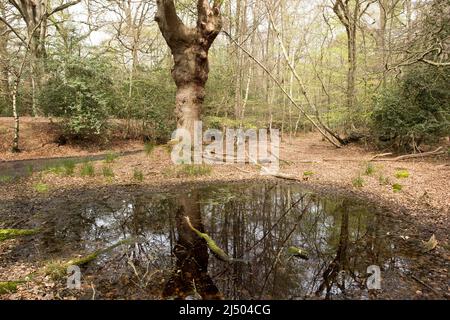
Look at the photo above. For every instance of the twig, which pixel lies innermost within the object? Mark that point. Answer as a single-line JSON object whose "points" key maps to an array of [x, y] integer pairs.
{"points": [[380, 155], [93, 291]]}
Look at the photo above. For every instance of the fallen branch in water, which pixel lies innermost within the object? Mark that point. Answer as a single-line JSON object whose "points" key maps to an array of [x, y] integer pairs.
{"points": [[218, 252]]}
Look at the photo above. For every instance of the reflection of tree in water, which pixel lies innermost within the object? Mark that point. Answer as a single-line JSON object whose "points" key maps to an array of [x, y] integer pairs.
{"points": [[190, 276], [254, 223], [337, 233]]}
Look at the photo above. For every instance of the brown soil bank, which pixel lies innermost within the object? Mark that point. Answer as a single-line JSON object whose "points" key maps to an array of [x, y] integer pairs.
{"points": [[39, 139]]}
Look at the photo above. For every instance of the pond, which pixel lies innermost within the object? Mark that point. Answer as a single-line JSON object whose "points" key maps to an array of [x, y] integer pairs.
{"points": [[254, 223]]}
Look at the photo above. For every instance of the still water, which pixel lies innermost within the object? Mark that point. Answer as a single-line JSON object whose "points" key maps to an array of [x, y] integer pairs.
{"points": [[255, 223]]}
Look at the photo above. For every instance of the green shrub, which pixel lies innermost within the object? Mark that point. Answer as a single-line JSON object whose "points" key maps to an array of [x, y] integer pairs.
{"points": [[108, 172], [6, 178], [69, 167], [396, 187], [66, 167], [370, 169], [80, 90], [29, 169], [151, 102], [148, 148], [414, 111], [111, 157], [188, 170], [55, 169]]}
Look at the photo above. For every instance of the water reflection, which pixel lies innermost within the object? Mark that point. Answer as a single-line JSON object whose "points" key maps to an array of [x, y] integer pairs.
{"points": [[190, 276], [256, 223]]}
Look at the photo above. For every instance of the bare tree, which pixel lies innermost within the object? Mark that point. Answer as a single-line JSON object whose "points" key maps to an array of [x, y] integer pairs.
{"points": [[189, 47], [35, 14], [349, 14]]}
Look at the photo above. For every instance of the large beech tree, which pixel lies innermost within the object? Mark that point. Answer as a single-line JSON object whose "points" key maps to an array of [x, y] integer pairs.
{"points": [[189, 47]]}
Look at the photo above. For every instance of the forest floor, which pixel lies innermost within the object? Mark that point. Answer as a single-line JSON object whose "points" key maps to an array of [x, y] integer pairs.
{"points": [[423, 198], [39, 139]]}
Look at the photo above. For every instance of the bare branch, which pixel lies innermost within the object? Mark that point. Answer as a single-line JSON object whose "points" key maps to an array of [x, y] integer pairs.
{"points": [[64, 6], [13, 30]]}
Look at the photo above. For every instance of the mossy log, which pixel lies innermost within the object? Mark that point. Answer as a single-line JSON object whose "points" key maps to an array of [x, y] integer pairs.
{"points": [[58, 269], [212, 245], [9, 286], [6, 234]]}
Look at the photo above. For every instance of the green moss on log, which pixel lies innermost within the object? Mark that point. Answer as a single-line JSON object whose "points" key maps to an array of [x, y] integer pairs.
{"points": [[212, 245], [6, 234], [58, 269], [210, 242], [9, 286]]}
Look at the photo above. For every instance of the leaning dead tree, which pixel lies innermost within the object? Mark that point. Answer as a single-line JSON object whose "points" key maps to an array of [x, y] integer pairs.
{"points": [[189, 47]]}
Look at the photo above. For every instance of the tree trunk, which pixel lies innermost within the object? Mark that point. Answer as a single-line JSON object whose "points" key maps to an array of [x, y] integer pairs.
{"points": [[349, 17], [351, 45], [15, 147], [189, 47]]}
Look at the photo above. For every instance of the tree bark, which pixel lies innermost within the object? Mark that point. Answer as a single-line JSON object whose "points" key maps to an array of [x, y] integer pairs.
{"points": [[15, 146], [189, 48]]}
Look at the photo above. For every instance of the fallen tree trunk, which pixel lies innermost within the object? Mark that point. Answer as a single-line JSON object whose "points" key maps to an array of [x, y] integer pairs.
{"points": [[436, 152]]}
